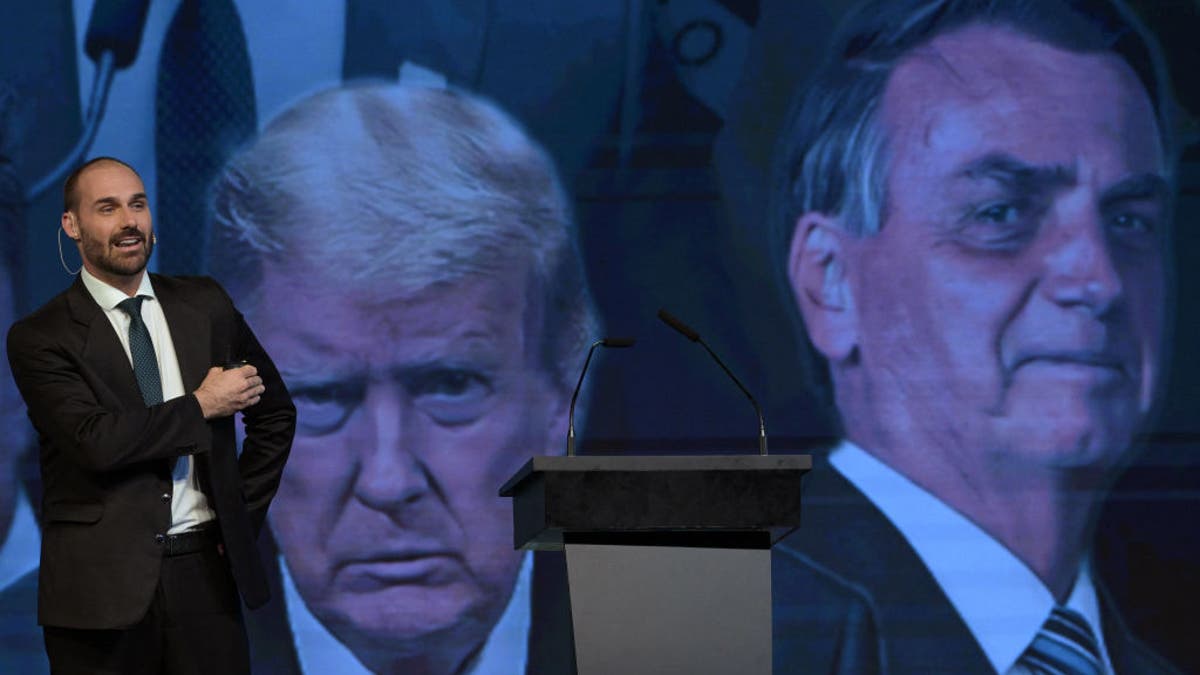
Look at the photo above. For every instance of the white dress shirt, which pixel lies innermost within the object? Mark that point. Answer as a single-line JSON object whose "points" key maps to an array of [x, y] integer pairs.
{"points": [[504, 653], [1001, 600], [189, 507]]}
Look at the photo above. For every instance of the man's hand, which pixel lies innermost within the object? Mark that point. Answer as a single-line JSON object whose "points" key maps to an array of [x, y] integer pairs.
{"points": [[224, 392]]}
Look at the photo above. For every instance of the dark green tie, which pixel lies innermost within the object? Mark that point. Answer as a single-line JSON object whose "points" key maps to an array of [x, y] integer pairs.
{"points": [[145, 364]]}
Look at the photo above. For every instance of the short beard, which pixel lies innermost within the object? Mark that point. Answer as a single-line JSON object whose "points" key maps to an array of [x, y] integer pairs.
{"points": [[101, 254]]}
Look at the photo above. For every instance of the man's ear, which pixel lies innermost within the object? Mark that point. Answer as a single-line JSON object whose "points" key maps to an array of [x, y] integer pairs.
{"points": [[817, 273], [69, 226]]}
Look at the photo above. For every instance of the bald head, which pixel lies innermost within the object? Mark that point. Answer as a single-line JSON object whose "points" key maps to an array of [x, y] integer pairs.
{"points": [[71, 186]]}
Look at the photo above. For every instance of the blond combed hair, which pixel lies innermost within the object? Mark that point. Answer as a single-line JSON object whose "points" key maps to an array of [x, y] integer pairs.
{"points": [[392, 188]]}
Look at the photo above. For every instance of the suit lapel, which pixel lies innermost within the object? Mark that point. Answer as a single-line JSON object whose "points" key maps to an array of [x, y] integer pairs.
{"points": [[844, 532], [101, 348], [190, 333]]}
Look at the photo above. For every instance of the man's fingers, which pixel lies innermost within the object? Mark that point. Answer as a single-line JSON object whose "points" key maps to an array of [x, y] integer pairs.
{"points": [[250, 384], [250, 396], [251, 381], [233, 389]]}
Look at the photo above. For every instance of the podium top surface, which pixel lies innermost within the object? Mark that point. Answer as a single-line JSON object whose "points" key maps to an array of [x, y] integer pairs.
{"points": [[710, 501], [654, 463]]}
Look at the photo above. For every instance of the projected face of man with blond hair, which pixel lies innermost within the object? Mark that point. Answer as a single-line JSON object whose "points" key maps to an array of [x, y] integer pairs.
{"points": [[407, 255]]}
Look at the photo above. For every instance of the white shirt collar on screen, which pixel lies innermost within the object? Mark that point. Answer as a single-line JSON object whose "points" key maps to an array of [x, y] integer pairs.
{"points": [[1000, 599]]}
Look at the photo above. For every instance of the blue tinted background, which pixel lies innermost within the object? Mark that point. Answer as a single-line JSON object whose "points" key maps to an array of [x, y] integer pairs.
{"points": [[660, 116]]}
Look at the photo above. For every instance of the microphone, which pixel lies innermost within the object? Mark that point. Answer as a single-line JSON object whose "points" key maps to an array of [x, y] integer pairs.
{"points": [[113, 37], [615, 343], [692, 335], [116, 26]]}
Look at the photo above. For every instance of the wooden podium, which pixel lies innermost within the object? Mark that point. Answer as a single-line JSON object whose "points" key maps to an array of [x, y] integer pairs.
{"points": [[668, 557]]}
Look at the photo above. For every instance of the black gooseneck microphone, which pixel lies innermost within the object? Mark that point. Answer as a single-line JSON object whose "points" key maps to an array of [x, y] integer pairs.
{"points": [[113, 37], [692, 335], [604, 342]]}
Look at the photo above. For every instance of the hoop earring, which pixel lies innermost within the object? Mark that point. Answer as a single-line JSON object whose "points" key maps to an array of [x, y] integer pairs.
{"points": [[62, 259]]}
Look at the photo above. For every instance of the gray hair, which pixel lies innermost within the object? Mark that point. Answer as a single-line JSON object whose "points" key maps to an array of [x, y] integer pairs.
{"points": [[833, 154], [406, 187]]}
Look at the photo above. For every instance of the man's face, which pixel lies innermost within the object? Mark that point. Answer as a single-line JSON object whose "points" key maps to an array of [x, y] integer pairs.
{"points": [[1013, 302], [113, 222], [411, 414]]}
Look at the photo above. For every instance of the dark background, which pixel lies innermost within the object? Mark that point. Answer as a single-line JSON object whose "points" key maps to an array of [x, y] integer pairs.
{"points": [[661, 115]]}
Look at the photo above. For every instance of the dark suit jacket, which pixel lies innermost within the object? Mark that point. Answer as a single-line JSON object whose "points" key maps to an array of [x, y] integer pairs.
{"points": [[106, 457], [852, 596], [551, 650]]}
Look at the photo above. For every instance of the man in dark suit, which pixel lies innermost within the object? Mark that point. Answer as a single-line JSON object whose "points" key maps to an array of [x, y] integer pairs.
{"points": [[408, 255], [973, 223], [150, 512]]}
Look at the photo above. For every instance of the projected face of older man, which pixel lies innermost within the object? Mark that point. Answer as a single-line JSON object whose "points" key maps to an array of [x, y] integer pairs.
{"points": [[413, 408], [1009, 315]]}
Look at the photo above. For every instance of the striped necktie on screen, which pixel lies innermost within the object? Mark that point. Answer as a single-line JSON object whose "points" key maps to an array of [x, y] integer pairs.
{"points": [[145, 364], [1064, 646], [204, 110]]}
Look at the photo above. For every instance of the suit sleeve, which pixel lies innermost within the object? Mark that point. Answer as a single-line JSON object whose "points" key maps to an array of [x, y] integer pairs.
{"points": [[270, 426], [61, 398]]}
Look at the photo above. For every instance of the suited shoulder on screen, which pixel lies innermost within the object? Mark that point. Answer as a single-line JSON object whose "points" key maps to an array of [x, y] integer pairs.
{"points": [[848, 550], [822, 622], [852, 593]]}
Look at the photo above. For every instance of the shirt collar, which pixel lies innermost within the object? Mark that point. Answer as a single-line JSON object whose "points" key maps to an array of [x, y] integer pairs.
{"points": [[1001, 600], [507, 646], [504, 651], [108, 297]]}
